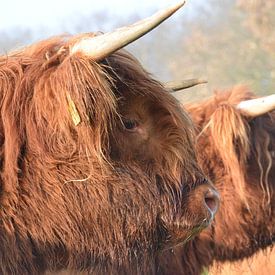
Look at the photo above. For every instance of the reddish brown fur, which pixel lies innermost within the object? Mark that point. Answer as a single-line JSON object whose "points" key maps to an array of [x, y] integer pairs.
{"points": [[82, 197], [262, 263], [237, 153]]}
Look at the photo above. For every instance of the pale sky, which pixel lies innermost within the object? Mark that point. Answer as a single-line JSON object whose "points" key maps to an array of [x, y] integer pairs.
{"points": [[26, 21], [49, 14]]}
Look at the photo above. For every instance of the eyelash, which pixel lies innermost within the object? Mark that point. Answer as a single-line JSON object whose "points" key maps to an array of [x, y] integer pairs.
{"points": [[130, 125]]}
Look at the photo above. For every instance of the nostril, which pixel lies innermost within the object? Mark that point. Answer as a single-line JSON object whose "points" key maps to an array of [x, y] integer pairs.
{"points": [[212, 200], [211, 203]]}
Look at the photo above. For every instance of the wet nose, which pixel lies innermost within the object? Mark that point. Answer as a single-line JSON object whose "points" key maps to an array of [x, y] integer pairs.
{"points": [[212, 200]]}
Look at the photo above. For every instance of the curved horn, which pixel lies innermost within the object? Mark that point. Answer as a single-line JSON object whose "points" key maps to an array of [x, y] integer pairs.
{"points": [[99, 47], [183, 84], [258, 106]]}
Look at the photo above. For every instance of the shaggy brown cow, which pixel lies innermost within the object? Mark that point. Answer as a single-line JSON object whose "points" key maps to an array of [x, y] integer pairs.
{"points": [[237, 152], [98, 168]]}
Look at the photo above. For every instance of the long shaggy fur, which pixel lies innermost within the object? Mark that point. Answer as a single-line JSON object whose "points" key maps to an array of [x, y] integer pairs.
{"points": [[81, 196], [237, 153]]}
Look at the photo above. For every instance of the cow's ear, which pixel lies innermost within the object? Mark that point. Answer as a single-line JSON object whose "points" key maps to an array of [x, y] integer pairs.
{"points": [[229, 134], [70, 110]]}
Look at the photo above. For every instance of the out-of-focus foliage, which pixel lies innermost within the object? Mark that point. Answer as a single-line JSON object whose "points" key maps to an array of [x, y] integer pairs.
{"points": [[260, 20], [232, 50], [226, 42]]}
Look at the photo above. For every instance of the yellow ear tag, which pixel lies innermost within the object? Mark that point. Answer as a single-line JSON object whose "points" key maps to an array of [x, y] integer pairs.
{"points": [[73, 111]]}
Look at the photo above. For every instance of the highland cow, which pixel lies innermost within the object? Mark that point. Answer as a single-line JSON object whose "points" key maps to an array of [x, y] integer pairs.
{"points": [[236, 149], [98, 166]]}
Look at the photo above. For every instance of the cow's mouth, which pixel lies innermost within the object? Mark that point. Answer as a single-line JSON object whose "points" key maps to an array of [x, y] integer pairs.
{"points": [[183, 228], [178, 233]]}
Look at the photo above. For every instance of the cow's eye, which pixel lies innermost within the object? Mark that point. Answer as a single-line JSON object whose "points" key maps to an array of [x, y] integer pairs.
{"points": [[130, 125]]}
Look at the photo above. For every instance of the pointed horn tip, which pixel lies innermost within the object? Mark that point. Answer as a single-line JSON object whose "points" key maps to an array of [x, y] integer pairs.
{"points": [[257, 106], [172, 9], [97, 46], [203, 81], [178, 5], [176, 86]]}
